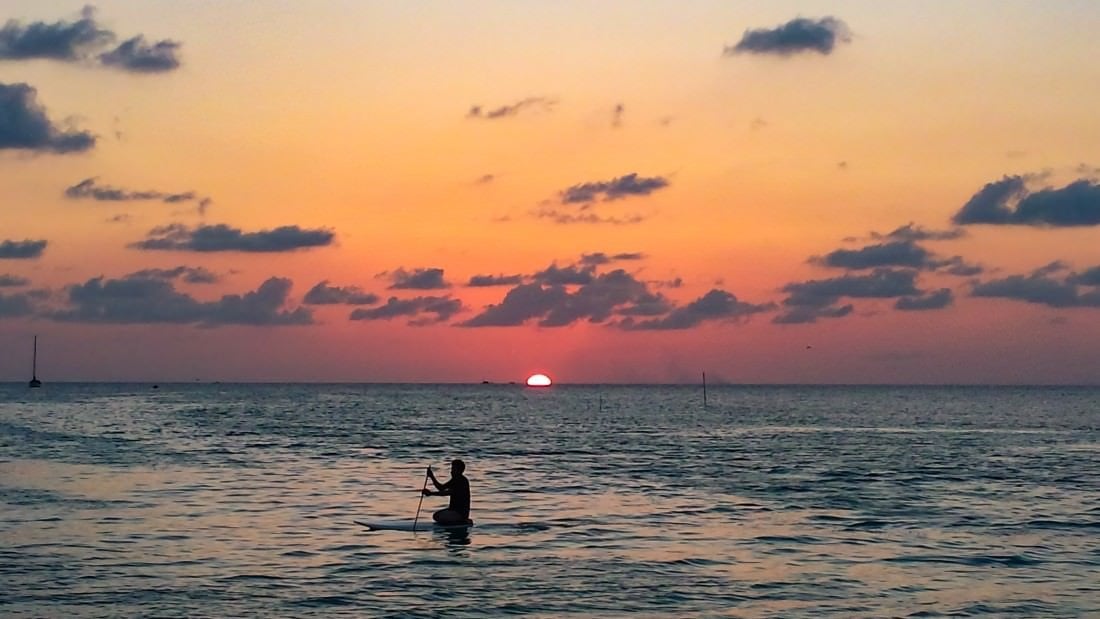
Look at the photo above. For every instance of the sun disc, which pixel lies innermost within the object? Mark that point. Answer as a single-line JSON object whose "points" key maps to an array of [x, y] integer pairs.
{"points": [[539, 380]]}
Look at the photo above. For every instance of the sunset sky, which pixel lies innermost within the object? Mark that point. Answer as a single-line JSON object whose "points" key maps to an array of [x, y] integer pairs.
{"points": [[631, 191]]}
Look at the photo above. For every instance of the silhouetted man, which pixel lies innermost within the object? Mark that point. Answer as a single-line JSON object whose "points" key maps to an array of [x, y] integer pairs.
{"points": [[458, 488]]}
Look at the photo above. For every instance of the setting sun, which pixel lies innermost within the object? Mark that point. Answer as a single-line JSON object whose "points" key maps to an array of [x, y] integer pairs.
{"points": [[539, 380]]}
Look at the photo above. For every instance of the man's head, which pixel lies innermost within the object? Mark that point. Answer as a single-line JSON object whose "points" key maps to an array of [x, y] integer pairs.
{"points": [[457, 466]]}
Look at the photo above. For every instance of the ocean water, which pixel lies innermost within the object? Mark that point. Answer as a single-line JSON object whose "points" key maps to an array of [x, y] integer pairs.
{"points": [[239, 501]]}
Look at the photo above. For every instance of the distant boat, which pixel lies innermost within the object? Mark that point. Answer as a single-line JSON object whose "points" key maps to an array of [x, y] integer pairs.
{"points": [[34, 383]]}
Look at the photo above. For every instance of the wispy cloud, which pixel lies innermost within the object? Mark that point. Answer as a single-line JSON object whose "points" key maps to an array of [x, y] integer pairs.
{"points": [[617, 115], [614, 189], [220, 237], [544, 104], [25, 125], [576, 204], [938, 299], [89, 189], [600, 258], [796, 36], [914, 232], [563, 217]]}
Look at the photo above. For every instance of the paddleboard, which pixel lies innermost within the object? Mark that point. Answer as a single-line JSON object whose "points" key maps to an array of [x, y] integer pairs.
{"points": [[407, 525]]}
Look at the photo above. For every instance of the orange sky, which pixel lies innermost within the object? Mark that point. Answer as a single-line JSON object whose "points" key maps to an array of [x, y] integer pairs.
{"points": [[738, 167]]}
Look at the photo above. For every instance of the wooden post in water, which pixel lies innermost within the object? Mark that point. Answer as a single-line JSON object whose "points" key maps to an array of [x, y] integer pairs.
{"points": [[704, 389]]}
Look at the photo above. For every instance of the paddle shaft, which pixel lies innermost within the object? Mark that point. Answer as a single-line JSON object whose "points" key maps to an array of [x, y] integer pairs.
{"points": [[421, 501]]}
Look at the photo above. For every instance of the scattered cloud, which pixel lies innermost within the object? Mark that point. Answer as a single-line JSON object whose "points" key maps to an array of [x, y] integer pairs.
{"points": [[67, 41], [561, 296], [483, 281], [614, 189], [421, 310], [485, 179], [24, 124], [138, 56], [572, 274], [647, 304], [417, 279], [78, 40], [140, 299], [596, 300], [600, 258], [956, 265], [617, 115], [565, 218], [893, 253], [814, 299], [521, 304], [584, 195], [12, 281], [190, 275], [880, 283], [22, 250], [913, 232], [796, 36], [220, 237], [583, 272], [323, 294], [88, 189], [545, 104], [14, 305], [1090, 277], [1043, 287], [806, 314], [1010, 201], [938, 299], [714, 305]]}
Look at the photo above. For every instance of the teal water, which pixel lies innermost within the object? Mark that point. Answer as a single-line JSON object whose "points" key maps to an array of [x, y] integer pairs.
{"points": [[239, 501]]}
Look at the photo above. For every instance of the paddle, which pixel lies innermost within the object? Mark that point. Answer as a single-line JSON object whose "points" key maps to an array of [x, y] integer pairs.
{"points": [[421, 500]]}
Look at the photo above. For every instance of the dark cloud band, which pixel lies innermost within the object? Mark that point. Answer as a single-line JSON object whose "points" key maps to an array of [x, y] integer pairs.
{"points": [[220, 237]]}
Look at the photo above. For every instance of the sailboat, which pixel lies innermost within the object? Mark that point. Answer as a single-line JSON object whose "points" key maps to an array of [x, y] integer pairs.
{"points": [[34, 382]]}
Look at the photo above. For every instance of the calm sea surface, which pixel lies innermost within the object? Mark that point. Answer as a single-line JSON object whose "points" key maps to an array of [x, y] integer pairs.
{"points": [[239, 501]]}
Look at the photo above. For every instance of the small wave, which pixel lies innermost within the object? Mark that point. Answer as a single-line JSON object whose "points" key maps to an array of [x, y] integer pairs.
{"points": [[1062, 524], [249, 578], [324, 601], [976, 560], [789, 539]]}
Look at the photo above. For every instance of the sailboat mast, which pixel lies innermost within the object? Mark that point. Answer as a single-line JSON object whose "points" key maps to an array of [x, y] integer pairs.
{"points": [[34, 359]]}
